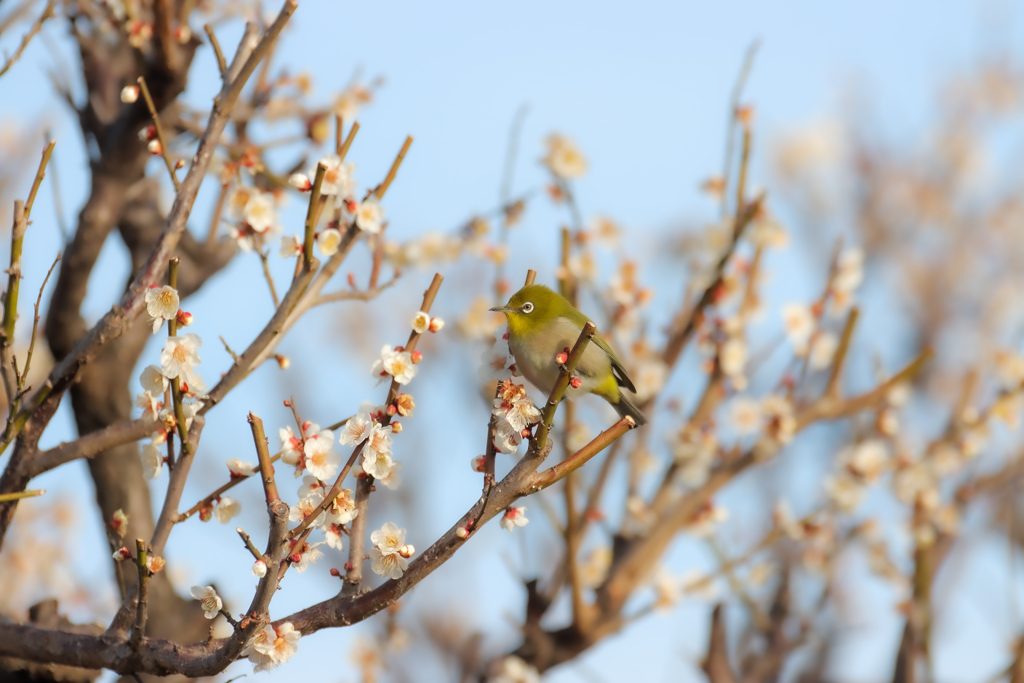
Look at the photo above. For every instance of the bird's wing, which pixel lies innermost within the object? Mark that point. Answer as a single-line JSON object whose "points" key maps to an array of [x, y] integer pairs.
{"points": [[617, 369]]}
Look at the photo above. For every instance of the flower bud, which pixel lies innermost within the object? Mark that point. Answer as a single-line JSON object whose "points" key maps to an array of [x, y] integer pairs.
{"points": [[477, 463], [461, 532], [283, 362], [130, 94], [122, 554], [396, 427], [300, 182], [407, 551], [436, 324], [416, 356], [575, 382], [184, 318], [155, 148], [259, 568], [119, 523]]}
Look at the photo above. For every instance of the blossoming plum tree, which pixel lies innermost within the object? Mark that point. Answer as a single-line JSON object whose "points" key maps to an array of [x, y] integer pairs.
{"points": [[670, 479]]}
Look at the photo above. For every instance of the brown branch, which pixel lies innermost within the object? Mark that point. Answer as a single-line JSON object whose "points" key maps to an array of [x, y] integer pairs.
{"points": [[142, 606], [89, 445], [716, 664], [266, 467]]}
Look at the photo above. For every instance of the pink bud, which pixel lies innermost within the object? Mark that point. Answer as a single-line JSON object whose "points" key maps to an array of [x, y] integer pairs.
{"points": [[436, 324], [477, 463], [179, 164], [396, 426], [295, 557], [150, 133], [351, 206], [561, 358], [184, 318], [349, 566], [575, 382], [417, 356], [335, 572], [392, 410]]}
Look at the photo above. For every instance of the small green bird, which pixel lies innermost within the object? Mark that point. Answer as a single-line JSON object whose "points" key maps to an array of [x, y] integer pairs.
{"points": [[541, 324]]}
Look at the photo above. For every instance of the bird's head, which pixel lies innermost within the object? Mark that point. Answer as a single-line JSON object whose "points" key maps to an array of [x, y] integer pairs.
{"points": [[531, 308]]}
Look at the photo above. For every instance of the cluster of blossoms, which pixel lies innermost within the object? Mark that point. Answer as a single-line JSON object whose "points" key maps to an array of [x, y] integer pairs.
{"points": [[515, 413], [804, 323], [371, 430], [339, 184], [179, 361]]}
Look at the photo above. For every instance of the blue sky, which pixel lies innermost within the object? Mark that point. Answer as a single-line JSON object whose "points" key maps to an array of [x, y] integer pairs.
{"points": [[644, 91]]}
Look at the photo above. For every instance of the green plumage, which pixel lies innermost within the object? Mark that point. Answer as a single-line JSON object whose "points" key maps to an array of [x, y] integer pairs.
{"points": [[541, 324]]}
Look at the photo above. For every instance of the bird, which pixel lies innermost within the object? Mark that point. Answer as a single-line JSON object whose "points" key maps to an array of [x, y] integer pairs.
{"points": [[541, 324]]}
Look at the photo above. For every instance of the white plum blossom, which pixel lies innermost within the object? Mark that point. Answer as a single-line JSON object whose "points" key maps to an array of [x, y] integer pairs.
{"points": [[420, 322], [386, 555], [342, 509], [180, 356], [799, 323], [512, 669], [225, 509], [514, 407], [291, 246], [153, 380], [321, 461], [377, 460], [358, 427], [338, 177], [327, 241], [823, 350], [304, 508], [211, 602], [513, 517], [564, 159], [260, 212], [745, 415], [334, 536], [369, 216], [291, 446], [309, 556], [398, 364], [152, 461], [496, 363], [161, 304], [393, 479], [270, 647]]}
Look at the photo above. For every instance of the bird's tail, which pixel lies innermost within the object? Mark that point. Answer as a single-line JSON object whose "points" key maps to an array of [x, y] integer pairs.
{"points": [[624, 406]]}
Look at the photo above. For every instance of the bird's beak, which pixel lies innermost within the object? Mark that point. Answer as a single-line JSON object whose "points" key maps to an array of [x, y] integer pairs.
{"points": [[500, 309]]}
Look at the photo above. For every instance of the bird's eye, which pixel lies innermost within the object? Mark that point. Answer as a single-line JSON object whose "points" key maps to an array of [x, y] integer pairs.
{"points": [[527, 307]]}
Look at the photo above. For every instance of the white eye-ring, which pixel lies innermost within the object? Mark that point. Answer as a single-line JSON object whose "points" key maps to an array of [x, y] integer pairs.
{"points": [[527, 307]]}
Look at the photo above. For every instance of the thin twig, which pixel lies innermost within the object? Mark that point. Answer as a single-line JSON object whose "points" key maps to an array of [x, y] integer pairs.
{"points": [[27, 38], [164, 151]]}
